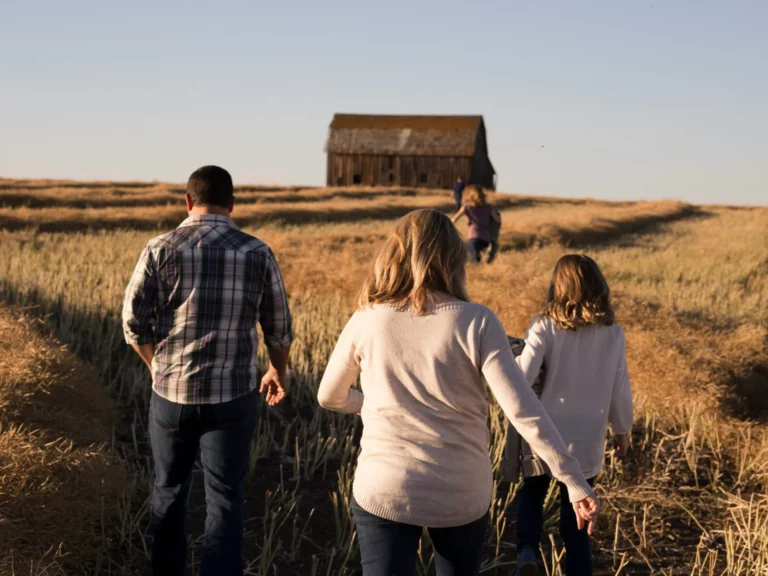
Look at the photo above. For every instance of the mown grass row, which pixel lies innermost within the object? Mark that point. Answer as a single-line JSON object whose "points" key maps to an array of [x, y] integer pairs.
{"points": [[61, 481], [115, 196]]}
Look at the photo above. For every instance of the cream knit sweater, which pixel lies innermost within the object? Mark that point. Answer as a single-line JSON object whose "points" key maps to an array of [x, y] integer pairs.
{"points": [[424, 451], [586, 385]]}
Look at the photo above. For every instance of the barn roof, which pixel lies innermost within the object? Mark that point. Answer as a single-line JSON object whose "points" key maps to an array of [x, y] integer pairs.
{"points": [[404, 135]]}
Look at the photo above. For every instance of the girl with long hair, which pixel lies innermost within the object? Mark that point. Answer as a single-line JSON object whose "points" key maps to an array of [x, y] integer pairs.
{"points": [[586, 387], [424, 353], [484, 221]]}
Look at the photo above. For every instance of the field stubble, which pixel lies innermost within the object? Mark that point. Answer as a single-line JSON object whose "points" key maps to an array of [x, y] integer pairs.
{"points": [[691, 294]]}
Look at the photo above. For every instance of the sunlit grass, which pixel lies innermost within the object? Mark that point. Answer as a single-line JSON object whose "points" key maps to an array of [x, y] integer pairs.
{"points": [[691, 293]]}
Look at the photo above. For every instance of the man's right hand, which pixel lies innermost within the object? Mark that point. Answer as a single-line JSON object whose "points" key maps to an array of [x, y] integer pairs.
{"points": [[273, 384]]}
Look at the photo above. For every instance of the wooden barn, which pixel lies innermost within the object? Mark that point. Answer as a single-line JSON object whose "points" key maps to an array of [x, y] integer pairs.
{"points": [[423, 151]]}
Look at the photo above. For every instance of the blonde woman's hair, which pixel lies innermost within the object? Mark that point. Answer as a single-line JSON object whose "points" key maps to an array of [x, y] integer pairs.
{"points": [[578, 294], [422, 256], [475, 196]]}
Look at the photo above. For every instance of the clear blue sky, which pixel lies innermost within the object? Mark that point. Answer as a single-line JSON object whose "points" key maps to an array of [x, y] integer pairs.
{"points": [[619, 99]]}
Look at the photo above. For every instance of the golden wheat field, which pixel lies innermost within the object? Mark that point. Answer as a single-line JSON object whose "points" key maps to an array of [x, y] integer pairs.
{"points": [[690, 285]]}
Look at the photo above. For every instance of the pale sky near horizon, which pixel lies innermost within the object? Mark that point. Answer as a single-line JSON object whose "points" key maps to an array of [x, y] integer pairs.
{"points": [[615, 99]]}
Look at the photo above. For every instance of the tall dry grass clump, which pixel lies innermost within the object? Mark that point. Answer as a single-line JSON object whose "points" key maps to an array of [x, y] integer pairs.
{"points": [[61, 481]]}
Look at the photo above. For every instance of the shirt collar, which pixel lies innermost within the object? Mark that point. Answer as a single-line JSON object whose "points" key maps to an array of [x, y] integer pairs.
{"points": [[208, 220]]}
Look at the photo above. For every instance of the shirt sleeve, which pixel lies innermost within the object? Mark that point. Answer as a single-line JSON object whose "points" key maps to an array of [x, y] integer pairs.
{"points": [[620, 414], [532, 358], [336, 392], [140, 301], [519, 403], [274, 314]]}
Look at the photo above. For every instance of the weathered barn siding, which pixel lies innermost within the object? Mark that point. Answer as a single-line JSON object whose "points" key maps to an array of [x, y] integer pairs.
{"points": [[390, 170], [425, 151]]}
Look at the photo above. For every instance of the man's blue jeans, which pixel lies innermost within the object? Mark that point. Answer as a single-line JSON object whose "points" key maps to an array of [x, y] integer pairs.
{"points": [[223, 434]]}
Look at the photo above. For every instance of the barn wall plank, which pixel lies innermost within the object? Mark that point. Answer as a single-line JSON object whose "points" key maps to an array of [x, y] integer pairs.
{"points": [[375, 170]]}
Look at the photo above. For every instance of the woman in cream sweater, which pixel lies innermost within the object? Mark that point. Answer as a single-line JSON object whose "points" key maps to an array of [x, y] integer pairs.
{"points": [[425, 353]]}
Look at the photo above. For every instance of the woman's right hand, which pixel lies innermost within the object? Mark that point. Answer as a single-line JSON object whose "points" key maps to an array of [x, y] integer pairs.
{"points": [[586, 513]]}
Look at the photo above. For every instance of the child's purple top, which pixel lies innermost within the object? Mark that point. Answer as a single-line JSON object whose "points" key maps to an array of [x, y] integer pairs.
{"points": [[479, 221]]}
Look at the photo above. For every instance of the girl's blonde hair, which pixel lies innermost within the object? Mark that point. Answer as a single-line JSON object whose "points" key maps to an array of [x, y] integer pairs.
{"points": [[475, 196], [422, 256], [578, 294]]}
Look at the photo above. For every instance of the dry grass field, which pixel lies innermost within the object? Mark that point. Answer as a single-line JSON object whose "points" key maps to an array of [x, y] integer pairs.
{"points": [[61, 479], [691, 290]]}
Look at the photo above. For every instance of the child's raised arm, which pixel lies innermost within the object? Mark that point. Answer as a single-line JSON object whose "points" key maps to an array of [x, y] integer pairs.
{"points": [[531, 359], [620, 414]]}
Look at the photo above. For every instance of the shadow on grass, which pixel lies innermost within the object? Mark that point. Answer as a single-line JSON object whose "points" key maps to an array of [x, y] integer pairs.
{"points": [[601, 230], [70, 184], [125, 198], [747, 397], [246, 195], [284, 214]]}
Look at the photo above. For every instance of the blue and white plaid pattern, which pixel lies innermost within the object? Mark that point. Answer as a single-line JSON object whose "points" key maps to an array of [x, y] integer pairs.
{"points": [[197, 293]]}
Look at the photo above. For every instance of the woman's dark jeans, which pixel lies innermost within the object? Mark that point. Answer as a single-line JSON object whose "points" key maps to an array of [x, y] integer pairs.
{"points": [[530, 524], [223, 433], [390, 548], [476, 246]]}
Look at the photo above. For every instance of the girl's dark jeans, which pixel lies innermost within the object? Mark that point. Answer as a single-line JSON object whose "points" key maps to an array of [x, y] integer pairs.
{"points": [[476, 246], [390, 548], [530, 524]]}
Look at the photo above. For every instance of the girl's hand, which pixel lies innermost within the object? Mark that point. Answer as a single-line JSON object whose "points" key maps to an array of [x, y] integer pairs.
{"points": [[621, 444], [458, 215], [586, 513]]}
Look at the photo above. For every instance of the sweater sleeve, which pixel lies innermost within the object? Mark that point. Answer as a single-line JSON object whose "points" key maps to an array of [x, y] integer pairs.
{"points": [[526, 413], [620, 414], [336, 392], [531, 359]]}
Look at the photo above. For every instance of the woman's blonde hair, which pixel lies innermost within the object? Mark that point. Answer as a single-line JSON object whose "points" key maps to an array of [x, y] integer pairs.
{"points": [[578, 294], [422, 256], [475, 196]]}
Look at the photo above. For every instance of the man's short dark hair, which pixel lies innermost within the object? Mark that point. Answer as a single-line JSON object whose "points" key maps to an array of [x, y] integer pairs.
{"points": [[211, 186]]}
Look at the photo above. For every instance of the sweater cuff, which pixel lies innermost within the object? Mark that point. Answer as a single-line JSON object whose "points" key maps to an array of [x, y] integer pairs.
{"points": [[578, 489]]}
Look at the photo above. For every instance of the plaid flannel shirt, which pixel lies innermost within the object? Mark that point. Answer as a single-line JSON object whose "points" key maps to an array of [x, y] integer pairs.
{"points": [[197, 293]]}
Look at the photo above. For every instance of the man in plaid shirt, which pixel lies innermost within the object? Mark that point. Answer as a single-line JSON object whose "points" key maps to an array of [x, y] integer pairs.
{"points": [[190, 312]]}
